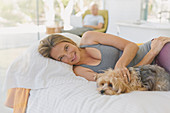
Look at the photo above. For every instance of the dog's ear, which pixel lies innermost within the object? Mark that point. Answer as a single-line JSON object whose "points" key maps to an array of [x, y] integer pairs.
{"points": [[96, 76]]}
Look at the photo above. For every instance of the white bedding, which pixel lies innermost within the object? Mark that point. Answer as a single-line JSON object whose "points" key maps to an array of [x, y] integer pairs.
{"points": [[81, 96], [32, 71], [56, 89]]}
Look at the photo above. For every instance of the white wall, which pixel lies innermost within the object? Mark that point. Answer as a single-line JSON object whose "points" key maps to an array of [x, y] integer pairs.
{"points": [[122, 10], [140, 33]]}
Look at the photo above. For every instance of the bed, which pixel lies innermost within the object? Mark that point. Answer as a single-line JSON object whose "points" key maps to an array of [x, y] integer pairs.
{"points": [[83, 98], [56, 89]]}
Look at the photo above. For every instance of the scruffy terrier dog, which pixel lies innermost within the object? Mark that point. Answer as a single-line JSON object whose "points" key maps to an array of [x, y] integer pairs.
{"points": [[143, 78]]}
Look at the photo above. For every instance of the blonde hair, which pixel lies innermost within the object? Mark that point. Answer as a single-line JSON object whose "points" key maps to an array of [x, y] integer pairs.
{"points": [[49, 42]]}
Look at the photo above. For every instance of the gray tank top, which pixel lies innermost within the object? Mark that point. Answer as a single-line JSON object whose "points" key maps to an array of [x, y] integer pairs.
{"points": [[110, 55]]}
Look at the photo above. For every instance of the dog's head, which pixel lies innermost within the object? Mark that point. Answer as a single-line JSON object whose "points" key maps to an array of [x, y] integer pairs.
{"points": [[111, 83]]}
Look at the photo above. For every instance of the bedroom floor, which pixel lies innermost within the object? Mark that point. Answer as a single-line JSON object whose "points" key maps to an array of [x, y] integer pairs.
{"points": [[6, 57]]}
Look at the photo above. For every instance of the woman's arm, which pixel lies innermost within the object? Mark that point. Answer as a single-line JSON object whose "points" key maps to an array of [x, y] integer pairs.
{"points": [[156, 46], [148, 58], [129, 48], [85, 73]]}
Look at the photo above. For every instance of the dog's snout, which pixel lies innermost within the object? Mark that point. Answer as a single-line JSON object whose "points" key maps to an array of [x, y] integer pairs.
{"points": [[102, 91]]}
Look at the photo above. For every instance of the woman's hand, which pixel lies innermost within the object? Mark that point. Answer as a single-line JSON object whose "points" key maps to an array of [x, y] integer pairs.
{"points": [[158, 43], [124, 72]]}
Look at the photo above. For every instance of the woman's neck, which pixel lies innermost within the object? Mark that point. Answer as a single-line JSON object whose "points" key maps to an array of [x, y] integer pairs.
{"points": [[83, 56]]}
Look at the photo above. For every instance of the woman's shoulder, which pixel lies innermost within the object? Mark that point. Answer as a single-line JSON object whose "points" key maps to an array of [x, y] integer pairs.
{"points": [[88, 38]]}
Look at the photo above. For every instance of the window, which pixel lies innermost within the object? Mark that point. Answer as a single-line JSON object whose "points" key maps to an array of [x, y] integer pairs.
{"points": [[156, 10]]}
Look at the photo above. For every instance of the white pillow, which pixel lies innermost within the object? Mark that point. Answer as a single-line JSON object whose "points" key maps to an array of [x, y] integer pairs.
{"points": [[33, 71]]}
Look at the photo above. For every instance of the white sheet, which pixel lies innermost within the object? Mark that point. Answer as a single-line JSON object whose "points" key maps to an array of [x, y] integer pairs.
{"points": [[81, 96]]}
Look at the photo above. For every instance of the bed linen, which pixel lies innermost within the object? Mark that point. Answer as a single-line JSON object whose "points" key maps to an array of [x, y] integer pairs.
{"points": [[17, 99], [31, 70], [82, 97], [56, 89]]}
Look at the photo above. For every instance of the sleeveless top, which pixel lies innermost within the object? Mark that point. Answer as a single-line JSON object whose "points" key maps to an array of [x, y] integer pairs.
{"points": [[110, 55]]}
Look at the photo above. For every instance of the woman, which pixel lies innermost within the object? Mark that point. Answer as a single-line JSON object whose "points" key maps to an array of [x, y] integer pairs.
{"points": [[100, 51]]}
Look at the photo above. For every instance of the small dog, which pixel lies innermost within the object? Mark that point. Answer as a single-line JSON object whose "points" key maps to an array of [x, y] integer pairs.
{"points": [[143, 78]]}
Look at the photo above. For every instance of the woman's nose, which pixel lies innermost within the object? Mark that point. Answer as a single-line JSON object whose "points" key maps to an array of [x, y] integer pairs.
{"points": [[68, 55]]}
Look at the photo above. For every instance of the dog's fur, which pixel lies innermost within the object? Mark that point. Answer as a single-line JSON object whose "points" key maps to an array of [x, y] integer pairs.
{"points": [[143, 78]]}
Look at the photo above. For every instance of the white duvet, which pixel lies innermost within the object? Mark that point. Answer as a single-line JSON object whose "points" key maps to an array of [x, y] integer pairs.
{"points": [[81, 96], [56, 89]]}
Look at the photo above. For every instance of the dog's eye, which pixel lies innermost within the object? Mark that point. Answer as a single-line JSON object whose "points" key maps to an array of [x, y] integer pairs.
{"points": [[102, 84], [110, 85]]}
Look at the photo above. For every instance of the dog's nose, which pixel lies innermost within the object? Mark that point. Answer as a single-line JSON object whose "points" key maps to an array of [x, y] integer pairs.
{"points": [[102, 91]]}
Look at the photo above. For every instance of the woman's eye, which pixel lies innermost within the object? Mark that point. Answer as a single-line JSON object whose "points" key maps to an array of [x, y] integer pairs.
{"points": [[61, 58], [66, 48]]}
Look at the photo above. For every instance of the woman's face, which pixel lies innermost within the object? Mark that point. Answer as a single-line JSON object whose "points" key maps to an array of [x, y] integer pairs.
{"points": [[66, 52]]}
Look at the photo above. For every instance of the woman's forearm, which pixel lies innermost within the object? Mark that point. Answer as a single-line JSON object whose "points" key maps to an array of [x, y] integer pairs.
{"points": [[148, 58], [129, 53], [156, 46]]}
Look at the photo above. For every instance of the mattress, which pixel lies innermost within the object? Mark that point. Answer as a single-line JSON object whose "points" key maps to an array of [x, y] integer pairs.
{"points": [[82, 97]]}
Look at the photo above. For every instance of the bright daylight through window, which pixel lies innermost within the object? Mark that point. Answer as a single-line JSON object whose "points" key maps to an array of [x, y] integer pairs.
{"points": [[158, 11]]}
